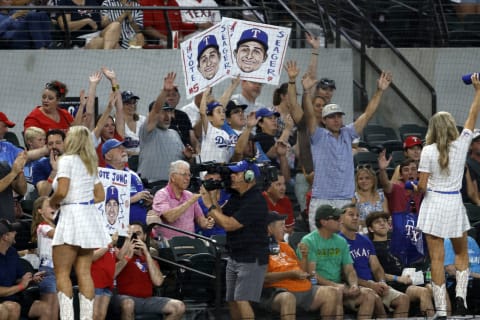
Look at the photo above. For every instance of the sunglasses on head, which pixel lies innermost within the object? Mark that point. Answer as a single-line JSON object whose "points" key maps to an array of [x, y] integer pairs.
{"points": [[326, 83], [364, 166]]}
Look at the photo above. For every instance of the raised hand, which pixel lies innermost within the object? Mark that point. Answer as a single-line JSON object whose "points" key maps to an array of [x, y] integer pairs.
{"points": [[384, 81], [19, 162], [308, 81], [110, 74], [312, 40], [292, 69], [169, 81], [476, 81], [383, 162], [95, 77], [252, 120]]}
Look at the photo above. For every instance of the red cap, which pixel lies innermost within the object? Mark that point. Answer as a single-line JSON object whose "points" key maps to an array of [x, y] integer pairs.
{"points": [[412, 141], [3, 118]]}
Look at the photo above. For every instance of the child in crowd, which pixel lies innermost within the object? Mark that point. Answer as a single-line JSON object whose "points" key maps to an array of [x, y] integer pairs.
{"points": [[43, 229]]}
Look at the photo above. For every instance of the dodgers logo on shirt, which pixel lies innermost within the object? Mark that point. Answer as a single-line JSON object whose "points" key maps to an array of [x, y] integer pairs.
{"points": [[221, 142]]}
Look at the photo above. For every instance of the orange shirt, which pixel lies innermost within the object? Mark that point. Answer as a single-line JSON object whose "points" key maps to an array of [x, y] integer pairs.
{"points": [[286, 260]]}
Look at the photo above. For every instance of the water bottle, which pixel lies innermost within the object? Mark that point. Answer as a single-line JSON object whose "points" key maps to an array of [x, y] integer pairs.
{"points": [[428, 276], [313, 277], [467, 78]]}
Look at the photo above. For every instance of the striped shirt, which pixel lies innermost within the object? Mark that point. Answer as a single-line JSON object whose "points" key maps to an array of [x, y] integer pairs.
{"points": [[127, 30]]}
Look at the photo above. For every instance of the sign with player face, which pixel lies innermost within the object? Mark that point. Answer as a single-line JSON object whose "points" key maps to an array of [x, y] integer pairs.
{"points": [[115, 210]]}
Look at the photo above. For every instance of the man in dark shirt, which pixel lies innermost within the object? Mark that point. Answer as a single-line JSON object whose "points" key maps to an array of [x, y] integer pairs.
{"points": [[244, 219]]}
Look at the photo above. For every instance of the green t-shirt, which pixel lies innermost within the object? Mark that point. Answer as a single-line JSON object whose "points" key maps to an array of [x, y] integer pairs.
{"points": [[329, 254]]}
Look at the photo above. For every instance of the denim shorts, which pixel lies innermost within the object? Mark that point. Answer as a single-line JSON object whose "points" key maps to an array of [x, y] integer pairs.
{"points": [[103, 292], [49, 283]]}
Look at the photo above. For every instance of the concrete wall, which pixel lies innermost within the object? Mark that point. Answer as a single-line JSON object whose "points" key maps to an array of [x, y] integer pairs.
{"points": [[24, 74]]}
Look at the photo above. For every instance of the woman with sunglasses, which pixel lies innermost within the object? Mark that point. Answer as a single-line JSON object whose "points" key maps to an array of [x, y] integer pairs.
{"points": [[442, 213], [367, 197], [49, 115]]}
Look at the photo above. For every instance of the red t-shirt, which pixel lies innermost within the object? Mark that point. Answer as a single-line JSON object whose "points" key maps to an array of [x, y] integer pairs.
{"points": [[283, 206], [286, 260], [156, 18], [399, 198], [134, 280], [103, 270], [37, 118]]}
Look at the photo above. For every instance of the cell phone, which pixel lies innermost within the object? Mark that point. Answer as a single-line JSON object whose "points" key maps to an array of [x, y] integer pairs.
{"points": [[134, 236], [121, 241]]}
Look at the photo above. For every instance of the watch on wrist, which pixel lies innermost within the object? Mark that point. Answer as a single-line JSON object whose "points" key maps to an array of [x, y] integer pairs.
{"points": [[212, 207]]}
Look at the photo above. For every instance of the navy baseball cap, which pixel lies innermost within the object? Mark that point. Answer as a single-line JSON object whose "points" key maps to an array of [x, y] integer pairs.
{"points": [[254, 34], [110, 144], [166, 106], [265, 112], [129, 95], [273, 216], [112, 193], [6, 226], [245, 165], [208, 41], [232, 105]]}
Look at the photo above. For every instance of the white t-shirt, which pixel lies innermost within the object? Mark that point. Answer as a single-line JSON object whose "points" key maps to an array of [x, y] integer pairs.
{"points": [[216, 145]]}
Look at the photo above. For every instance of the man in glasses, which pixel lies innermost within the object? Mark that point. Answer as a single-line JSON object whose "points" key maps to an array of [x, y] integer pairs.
{"points": [[176, 206], [329, 256], [331, 148]]}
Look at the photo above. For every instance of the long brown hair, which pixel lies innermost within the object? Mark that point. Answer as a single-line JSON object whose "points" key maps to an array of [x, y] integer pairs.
{"points": [[37, 216]]}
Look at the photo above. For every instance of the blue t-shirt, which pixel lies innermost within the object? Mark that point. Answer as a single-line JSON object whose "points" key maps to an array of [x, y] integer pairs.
{"points": [[360, 250], [41, 170], [11, 270], [8, 152], [473, 254]]}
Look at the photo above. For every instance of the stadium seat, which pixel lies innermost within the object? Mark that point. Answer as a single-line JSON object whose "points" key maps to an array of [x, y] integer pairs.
{"points": [[406, 130], [184, 247]]}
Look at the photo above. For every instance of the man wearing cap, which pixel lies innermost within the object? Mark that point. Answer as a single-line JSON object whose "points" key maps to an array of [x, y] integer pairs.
{"points": [[244, 219], [159, 145], [287, 284], [369, 270], [277, 201], [412, 148], [329, 256], [45, 169], [378, 232], [14, 279], [176, 206], [332, 154], [208, 56], [116, 158], [325, 89], [251, 51]]}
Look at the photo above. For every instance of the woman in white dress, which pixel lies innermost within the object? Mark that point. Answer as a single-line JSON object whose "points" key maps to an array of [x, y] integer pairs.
{"points": [[442, 213], [79, 230]]}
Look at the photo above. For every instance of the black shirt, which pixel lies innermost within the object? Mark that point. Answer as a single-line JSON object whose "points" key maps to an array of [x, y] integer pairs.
{"points": [[250, 242], [181, 123]]}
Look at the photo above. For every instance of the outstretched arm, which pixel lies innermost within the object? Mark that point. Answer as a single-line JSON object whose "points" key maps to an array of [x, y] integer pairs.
{"points": [[293, 107], [472, 115], [382, 84], [168, 84], [228, 93]]}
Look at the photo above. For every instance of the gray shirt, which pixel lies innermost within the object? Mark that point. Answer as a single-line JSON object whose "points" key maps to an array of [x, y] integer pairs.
{"points": [[158, 148]]}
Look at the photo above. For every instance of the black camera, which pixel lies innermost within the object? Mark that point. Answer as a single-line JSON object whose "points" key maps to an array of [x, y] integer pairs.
{"points": [[212, 184]]}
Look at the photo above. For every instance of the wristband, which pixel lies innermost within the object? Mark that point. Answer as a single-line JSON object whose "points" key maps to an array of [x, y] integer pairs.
{"points": [[291, 82], [50, 180], [395, 278], [315, 53], [20, 287], [116, 87], [127, 258]]}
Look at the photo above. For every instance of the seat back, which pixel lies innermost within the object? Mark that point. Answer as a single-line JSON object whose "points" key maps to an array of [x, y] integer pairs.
{"points": [[184, 247], [295, 238], [473, 213]]}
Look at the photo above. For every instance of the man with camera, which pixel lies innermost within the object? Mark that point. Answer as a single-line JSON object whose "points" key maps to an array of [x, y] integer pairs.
{"points": [[244, 219], [138, 273], [176, 206]]}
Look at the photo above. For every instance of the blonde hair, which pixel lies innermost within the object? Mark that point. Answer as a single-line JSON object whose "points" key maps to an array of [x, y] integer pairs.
{"points": [[37, 216], [79, 142], [442, 130], [33, 132], [371, 174]]}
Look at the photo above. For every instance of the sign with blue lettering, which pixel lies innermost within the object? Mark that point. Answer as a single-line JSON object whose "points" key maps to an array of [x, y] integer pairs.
{"points": [[115, 210]]}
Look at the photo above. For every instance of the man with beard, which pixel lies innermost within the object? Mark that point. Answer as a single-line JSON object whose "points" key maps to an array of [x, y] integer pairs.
{"points": [[45, 169]]}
